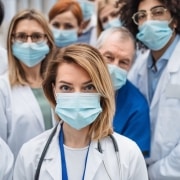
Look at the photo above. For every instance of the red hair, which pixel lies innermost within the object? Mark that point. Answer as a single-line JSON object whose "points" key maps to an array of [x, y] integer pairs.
{"points": [[66, 5]]}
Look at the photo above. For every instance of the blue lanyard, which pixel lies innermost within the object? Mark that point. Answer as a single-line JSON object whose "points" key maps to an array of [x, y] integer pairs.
{"points": [[63, 160]]}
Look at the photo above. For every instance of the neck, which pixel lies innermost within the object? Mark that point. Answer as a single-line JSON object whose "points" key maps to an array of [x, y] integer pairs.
{"points": [[76, 138], [157, 54], [33, 76]]}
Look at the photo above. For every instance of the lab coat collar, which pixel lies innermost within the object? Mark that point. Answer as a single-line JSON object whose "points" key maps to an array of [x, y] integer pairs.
{"points": [[174, 64], [52, 157], [53, 161], [95, 159]]}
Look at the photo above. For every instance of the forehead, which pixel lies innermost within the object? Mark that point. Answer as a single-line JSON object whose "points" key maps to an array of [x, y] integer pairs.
{"points": [[28, 25], [117, 41], [71, 71], [106, 10], [66, 16], [148, 4]]}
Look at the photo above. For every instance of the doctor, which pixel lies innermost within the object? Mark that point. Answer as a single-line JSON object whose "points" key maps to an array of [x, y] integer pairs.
{"points": [[156, 23], [84, 145], [131, 118], [24, 110], [7, 161]]}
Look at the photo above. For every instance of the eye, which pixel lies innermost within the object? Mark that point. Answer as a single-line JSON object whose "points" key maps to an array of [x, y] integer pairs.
{"points": [[56, 25], [114, 14], [20, 37], [89, 88], [108, 58], [37, 37], [68, 26], [104, 20], [141, 16], [65, 88], [158, 11]]}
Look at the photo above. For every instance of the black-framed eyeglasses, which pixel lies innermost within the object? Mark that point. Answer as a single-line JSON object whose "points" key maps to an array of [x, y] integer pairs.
{"points": [[35, 37], [157, 13]]}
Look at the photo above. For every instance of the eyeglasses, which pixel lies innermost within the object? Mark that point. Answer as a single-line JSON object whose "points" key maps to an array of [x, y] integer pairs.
{"points": [[35, 37], [157, 13]]}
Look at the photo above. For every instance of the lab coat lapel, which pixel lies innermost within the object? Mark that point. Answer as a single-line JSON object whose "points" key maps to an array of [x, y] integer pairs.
{"points": [[172, 67], [28, 96], [95, 158], [52, 158]]}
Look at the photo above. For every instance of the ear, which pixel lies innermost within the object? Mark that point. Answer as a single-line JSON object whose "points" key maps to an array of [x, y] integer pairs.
{"points": [[174, 23]]}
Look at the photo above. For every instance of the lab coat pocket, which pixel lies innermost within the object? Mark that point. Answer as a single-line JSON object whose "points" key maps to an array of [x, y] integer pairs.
{"points": [[173, 91]]}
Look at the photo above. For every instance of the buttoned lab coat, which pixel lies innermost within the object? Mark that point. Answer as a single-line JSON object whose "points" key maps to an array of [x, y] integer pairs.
{"points": [[132, 165], [20, 115], [164, 161], [6, 161]]}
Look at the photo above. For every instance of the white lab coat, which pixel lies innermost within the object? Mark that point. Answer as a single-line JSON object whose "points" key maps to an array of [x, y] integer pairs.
{"points": [[20, 115], [3, 61], [132, 165], [6, 161], [164, 162]]}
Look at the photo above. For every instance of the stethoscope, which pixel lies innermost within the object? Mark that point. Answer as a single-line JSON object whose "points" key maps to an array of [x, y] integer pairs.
{"points": [[99, 148]]}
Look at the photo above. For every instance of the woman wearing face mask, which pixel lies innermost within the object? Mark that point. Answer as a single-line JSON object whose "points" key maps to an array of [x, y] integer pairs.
{"points": [[108, 15], [81, 147], [65, 18], [156, 23], [24, 110]]}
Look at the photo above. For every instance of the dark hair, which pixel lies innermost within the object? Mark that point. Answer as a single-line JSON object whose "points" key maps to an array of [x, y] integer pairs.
{"points": [[1, 12], [131, 6]]}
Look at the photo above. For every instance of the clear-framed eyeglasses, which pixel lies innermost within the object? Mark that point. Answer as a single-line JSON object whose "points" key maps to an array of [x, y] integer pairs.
{"points": [[36, 37], [157, 13]]}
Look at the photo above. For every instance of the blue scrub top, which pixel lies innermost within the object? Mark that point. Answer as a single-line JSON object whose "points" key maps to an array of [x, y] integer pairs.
{"points": [[132, 116]]}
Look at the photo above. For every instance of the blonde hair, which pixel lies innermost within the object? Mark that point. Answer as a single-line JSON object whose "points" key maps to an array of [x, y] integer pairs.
{"points": [[16, 72], [90, 60]]}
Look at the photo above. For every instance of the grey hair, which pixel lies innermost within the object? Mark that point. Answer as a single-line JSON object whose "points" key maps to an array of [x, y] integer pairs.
{"points": [[124, 34]]}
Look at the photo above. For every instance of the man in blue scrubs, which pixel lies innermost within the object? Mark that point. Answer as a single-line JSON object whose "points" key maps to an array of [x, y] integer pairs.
{"points": [[131, 119]]}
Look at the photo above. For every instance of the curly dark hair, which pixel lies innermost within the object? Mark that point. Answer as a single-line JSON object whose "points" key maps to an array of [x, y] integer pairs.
{"points": [[131, 6]]}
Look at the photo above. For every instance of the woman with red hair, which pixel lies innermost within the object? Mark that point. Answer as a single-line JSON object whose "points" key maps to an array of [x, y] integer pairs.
{"points": [[65, 18]]}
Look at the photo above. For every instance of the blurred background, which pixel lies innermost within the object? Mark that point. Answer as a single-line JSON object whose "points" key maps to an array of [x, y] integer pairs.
{"points": [[13, 6]]}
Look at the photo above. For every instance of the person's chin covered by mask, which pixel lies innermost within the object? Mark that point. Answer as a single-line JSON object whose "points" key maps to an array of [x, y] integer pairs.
{"points": [[65, 19]]}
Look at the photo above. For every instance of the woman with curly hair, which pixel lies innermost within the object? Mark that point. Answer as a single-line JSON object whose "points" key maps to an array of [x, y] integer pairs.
{"points": [[156, 24]]}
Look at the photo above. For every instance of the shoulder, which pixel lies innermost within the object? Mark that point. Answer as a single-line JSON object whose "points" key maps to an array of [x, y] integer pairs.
{"points": [[125, 145], [36, 143], [128, 150], [133, 95]]}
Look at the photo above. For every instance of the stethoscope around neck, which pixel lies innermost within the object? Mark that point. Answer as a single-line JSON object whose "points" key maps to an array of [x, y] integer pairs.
{"points": [[99, 148]]}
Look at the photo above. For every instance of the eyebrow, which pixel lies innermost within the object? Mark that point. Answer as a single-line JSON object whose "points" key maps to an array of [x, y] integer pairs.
{"points": [[108, 52], [85, 83], [142, 10]]}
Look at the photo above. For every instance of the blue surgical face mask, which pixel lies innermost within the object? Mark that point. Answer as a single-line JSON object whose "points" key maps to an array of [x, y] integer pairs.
{"points": [[88, 9], [116, 22], [155, 34], [118, 76], [30, 54], [64, 38], [78, 109]]}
